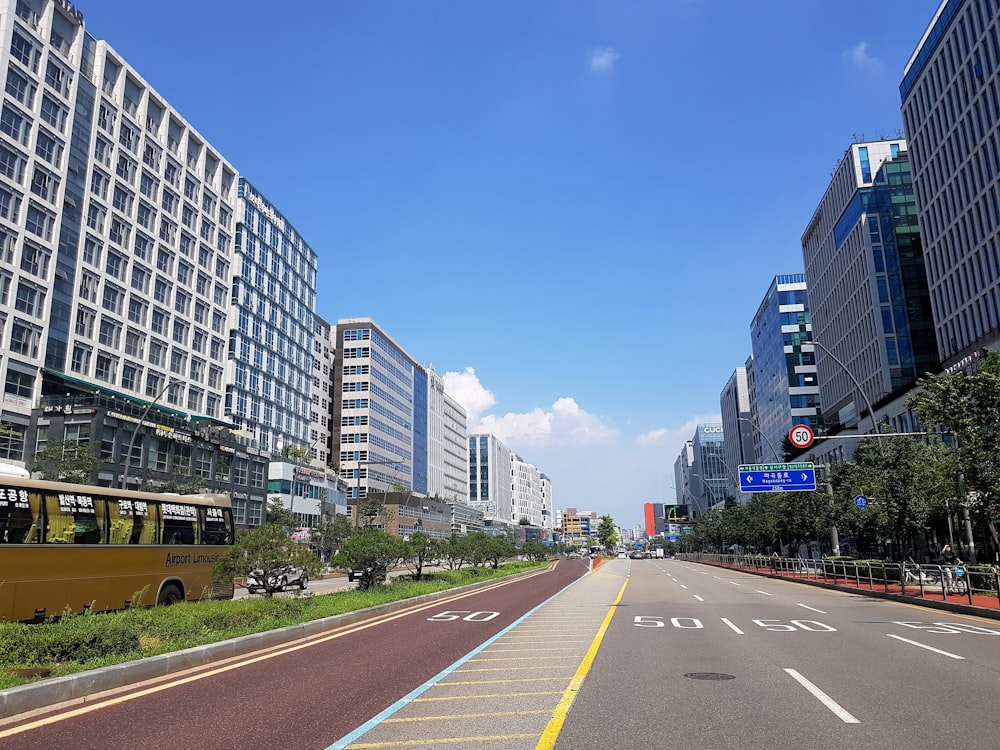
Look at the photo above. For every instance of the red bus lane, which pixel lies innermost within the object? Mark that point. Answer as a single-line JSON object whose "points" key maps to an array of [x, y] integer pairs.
{"points": [[304, 694]]}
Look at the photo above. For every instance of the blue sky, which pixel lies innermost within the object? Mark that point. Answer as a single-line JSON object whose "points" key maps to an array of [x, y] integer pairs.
{"points": [[572, 208]]}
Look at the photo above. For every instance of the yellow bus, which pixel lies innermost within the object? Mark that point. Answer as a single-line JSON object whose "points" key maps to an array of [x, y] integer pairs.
{"points": [[81, 548]]}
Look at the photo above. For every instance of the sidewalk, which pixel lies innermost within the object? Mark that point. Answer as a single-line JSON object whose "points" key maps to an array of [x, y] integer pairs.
{"points": [[976, 603]]}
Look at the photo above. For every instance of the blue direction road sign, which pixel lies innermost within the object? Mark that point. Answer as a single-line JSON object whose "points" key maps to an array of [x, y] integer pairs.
{"points": [[777, 477], [861, 501]]}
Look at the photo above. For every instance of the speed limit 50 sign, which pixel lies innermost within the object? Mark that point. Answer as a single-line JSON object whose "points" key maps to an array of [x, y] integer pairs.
{"points": [[801, 436]]}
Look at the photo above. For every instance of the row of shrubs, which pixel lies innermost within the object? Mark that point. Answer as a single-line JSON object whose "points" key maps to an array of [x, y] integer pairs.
{"points": [[75, 643]]}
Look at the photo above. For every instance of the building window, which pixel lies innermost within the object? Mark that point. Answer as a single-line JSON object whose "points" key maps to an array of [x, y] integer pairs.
{"points": [[24, 339], [40, 222], [137, 311], [48, 148], [19, 384], [104, 368], [21, 88]]}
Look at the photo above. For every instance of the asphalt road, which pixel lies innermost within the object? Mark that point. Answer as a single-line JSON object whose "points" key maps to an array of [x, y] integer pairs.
{"points": [[651, 654], [707, 659]]}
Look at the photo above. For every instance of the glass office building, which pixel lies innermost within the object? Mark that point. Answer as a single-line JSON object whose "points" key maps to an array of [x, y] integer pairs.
{"points": [[784, 390]]}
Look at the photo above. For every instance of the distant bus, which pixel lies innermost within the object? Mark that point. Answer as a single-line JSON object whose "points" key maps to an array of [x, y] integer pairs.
{"points": [[83, 548]]}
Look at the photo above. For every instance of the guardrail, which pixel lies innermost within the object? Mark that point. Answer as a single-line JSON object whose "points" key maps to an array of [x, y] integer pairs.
{"points": [[976, 585]]}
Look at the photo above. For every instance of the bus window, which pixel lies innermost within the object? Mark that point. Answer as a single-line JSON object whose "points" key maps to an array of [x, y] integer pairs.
{"points": [[74, 518], [20, 517], [216, 524], [179, 523], [131, 521]]}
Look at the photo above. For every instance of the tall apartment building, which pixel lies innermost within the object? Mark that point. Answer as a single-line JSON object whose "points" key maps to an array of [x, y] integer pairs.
{"points": [[447, 443], [124, 237], [270, 369], [950, 96], [737, 423], [379, 412], [868, 297], [785, 391]]}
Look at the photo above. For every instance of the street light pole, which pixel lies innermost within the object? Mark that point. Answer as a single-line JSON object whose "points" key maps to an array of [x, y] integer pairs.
{"points": [[871, 411], [142, 418], [777, 458]]}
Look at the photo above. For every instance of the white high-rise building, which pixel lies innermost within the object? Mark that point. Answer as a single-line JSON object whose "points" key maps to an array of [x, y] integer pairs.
{"points": [[447, 443], [738, 448], [507, 489], [379, 411], [139, 273]]}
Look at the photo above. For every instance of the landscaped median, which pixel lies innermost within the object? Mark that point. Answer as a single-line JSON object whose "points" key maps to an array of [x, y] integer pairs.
{"points": [[167, 639]]}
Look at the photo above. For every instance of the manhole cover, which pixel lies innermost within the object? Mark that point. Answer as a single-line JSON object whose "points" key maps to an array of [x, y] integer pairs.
{"points": [[710, 676]]}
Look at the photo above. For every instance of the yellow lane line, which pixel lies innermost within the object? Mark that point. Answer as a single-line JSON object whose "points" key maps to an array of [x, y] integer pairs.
{"points": [[523, 650], [502, 669], [456, 717], [488, 696], [551, 733], [439, 741], [519, 658], [498, 682]]}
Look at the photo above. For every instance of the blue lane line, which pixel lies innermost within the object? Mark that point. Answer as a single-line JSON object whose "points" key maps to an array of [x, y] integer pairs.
{"points": [[347, 739]]}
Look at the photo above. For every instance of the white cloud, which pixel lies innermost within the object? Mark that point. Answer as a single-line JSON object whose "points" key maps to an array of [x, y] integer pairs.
{"points": [[858, 57], [564, 423], [602, 60], [466, 389], [591, 464]]}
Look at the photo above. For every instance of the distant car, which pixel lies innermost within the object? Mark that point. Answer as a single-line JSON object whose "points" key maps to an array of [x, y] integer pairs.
{"points": [[279, 578], [622, 555], [636, 555]]}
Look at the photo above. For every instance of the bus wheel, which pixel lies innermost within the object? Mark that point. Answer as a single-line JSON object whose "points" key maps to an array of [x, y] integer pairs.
{"points": [[169, 595]]}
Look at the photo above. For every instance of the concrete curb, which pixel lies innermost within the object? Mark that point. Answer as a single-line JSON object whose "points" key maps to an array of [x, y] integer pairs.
{"points": [[18, 700]]}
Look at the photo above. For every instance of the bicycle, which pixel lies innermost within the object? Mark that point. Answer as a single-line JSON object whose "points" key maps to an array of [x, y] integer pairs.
{"points": [[955, 579]]}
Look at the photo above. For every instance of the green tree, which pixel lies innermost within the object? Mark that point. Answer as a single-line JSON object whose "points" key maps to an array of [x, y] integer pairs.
{"points": [[457, 551], [607, 534], [279, 515], [968, 408], [67, 461], [492, 550], [534, 550], [265, 548], [375, 513], [374, 553], [295, 453], [905, 480], [327, 536], [419, 549]]}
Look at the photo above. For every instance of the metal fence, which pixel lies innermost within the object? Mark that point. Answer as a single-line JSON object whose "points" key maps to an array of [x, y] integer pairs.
{"points": [[976, 585]]}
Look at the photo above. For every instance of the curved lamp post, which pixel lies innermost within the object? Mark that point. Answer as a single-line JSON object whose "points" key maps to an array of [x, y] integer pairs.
{"points": [[777, 457], [135, 432], [871, 411]]}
